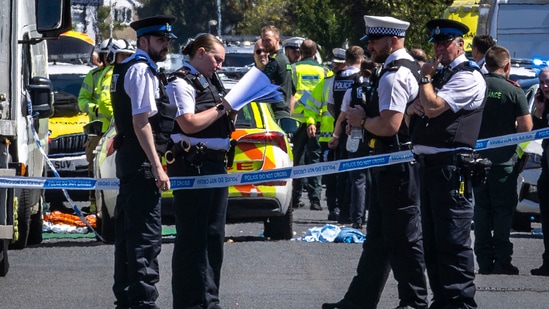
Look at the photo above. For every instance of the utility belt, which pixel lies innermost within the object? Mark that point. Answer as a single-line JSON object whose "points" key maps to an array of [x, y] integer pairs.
{"points": [[196, 154], [380, 147], [470, 164]]}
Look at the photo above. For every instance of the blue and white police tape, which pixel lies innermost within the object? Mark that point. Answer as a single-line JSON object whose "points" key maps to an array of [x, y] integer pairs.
{"points": [[241, 178], [55, 173]]}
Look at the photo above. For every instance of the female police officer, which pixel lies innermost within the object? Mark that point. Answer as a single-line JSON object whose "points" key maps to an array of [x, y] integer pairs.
{"points": [[200, 149]]}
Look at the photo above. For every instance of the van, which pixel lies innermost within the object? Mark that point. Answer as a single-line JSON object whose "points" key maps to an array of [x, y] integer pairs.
{"points": [[466, 12], [520, 26]]}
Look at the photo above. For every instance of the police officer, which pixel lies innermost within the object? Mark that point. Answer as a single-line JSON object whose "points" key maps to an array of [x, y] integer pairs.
{"points": [[445, 125], [343, 80], [394, 223], [292, 48], [138, 241], [308, 73], [201, 146], [320, 97], [88, 102]]}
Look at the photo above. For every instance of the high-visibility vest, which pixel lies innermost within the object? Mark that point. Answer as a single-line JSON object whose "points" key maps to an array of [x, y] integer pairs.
{"points": [[307, 75], [88, 96], [319, 98]]}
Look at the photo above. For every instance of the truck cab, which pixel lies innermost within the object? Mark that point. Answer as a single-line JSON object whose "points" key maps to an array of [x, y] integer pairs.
{"points": [[25, 105]]}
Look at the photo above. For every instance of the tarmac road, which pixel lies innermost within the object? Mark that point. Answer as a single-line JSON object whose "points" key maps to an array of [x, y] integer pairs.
{"points": [[77, 273]]}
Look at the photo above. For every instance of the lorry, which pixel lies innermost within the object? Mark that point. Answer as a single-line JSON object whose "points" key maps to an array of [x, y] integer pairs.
{"points": [[520, 26], [25, 104]]}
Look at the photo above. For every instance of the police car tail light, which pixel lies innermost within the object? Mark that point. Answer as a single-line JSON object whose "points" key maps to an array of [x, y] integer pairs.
{"points": [[272, 138]]}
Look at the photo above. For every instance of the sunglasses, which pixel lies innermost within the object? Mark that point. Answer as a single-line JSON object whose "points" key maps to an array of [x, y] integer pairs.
{"points": [[259, 51]]}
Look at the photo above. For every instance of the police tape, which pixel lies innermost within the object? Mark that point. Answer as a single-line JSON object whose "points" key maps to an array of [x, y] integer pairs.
{"points": [[257, 177]]}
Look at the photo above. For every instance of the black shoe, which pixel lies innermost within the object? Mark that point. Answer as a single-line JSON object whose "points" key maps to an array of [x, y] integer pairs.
{"points": [[507, 269], [315, 206], [298, 205], [357, 226], [542, 271], [333, 216], [342, 304]]}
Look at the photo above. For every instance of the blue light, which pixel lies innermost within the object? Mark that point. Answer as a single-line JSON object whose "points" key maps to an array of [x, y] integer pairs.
{"points": [[537, 62]]}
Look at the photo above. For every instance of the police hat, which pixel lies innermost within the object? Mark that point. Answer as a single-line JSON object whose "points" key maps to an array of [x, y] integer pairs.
{"points": [[380, 26], [294, 42], [339, 55], [160, 25], [445, 29]]}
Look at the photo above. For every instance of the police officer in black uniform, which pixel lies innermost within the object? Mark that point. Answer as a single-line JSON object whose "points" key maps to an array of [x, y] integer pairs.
{"points": [[394, 223], [201, 146], [444, 127], [343, 80], [138, 240]]}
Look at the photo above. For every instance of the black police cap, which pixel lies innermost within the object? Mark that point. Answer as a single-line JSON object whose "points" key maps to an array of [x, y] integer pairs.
{"points": [[445, 29], [160, 25]]}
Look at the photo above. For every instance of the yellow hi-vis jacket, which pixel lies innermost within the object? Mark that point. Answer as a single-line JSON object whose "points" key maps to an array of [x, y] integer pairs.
{"points": [[307, 75], [89, 98], [319, 97], [104, 105]]}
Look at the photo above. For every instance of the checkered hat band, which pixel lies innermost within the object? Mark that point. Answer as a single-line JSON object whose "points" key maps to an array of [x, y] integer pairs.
{"points": [[386, 31]]}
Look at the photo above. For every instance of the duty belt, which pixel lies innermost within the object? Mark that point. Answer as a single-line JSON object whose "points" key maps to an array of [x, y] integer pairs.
{"points": [[199, 151], [441, 158]]}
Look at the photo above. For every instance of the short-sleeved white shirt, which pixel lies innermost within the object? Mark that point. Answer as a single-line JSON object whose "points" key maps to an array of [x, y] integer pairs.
{"points": [[183, 95], [397, 88], [141, 85], [465, 90]]}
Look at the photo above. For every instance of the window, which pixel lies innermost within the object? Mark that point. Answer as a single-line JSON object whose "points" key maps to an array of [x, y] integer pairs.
{"points": [[123, 15]]}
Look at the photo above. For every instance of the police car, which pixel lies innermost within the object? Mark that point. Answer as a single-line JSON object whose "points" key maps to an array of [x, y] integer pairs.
{"points": [[262, 145]]}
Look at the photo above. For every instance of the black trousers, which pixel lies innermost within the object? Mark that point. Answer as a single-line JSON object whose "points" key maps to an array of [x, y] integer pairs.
{"points": [[301, 143], [200, 216], [446, 217], [393, 240], [138, 241], [330, 180]]}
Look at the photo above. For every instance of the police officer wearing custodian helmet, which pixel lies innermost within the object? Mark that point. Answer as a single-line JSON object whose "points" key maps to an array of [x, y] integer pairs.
{"points": [[138, 240], [201, 144], [444, 127]]}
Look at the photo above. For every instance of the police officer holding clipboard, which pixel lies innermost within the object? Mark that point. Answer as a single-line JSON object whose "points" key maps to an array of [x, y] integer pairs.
{"points": [[204, 126]]}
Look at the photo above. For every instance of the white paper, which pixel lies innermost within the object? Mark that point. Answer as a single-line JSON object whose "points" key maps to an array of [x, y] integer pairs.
{"points": [[253, 86]]}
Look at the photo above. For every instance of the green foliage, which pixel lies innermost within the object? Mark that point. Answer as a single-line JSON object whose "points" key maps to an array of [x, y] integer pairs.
{"points": [[331, 23], [104, 13]]}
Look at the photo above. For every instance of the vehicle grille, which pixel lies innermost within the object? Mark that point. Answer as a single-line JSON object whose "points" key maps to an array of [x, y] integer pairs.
{"points": [[72, 144]]}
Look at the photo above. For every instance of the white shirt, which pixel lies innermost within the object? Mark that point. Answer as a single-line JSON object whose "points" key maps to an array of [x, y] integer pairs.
{"points": [[183, 95], [141, 85], [397, 88], [465, 90]]}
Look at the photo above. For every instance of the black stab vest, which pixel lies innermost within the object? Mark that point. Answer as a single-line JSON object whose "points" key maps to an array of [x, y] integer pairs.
{"points": [[367, 96], [449, 129], [208, 94], [341, 84]]}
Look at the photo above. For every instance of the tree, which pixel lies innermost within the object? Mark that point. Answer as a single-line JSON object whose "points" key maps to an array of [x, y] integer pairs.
{"points": [[331, 23]]}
